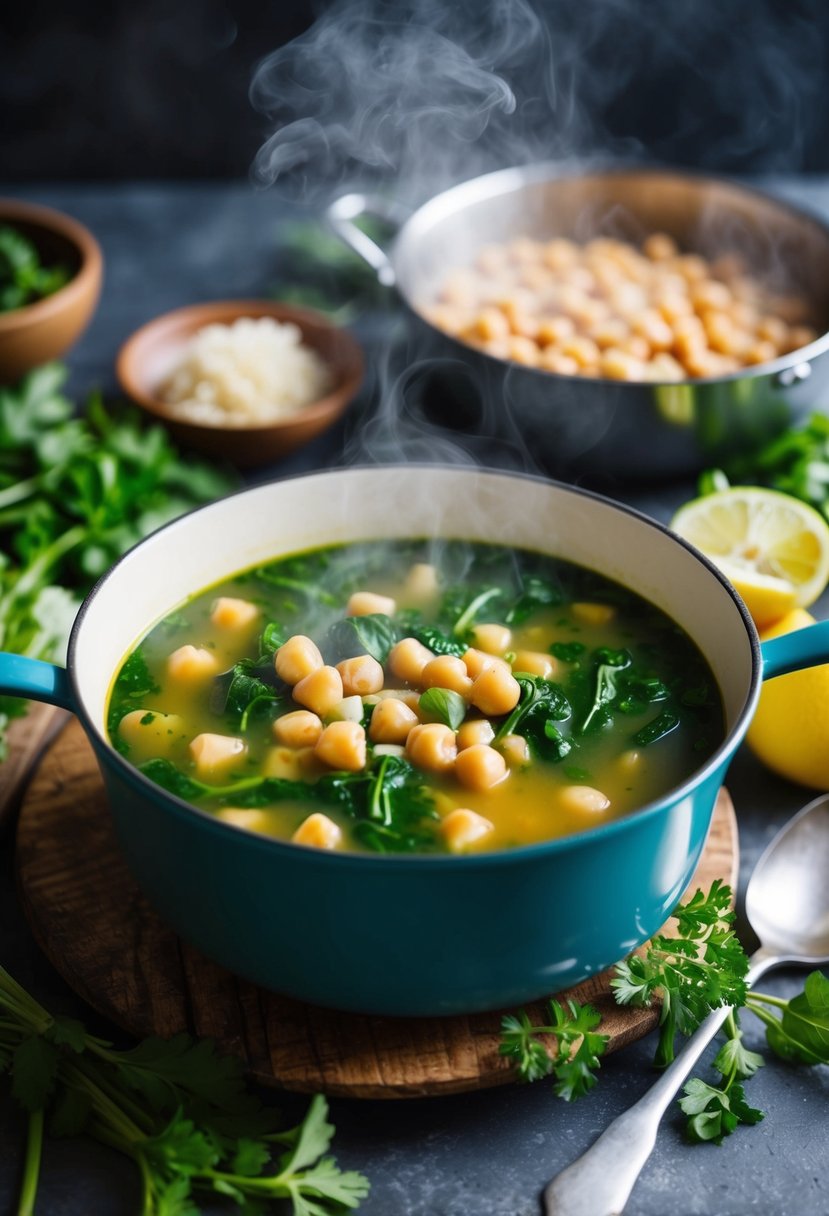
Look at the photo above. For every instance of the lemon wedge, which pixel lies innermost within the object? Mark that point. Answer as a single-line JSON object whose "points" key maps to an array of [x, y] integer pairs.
{"points": [[773, 548]]}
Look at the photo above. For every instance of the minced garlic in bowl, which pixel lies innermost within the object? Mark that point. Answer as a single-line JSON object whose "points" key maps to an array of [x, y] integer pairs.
{"points": [[254, 371]]}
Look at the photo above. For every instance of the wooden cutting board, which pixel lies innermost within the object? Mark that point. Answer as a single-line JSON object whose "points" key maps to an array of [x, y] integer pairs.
{"points": [[97, 929], [26, 739]]}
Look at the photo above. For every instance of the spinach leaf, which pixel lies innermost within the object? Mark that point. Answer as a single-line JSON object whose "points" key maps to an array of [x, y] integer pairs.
{"points": [[567, 652], [235, 692], [610, 664], [542, 705], [134, 679], [436, 640], [536, 593], [442, 705], [467, 618], [374, 634], [657, 728], [273, 636]]}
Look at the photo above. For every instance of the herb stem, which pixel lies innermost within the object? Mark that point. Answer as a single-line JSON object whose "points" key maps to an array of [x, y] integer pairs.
{"points": [[31, 1166], [467, 617]]}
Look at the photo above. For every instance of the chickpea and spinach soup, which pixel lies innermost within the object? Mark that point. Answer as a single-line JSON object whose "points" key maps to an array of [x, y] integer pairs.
{"points": [[416, 697]]}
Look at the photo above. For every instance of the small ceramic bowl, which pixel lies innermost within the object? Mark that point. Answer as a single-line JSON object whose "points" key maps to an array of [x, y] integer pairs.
{"points": [[45, 329], [149, 356]]}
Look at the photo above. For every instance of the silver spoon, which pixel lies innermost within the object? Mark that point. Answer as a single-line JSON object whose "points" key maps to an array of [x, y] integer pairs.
{"points": [[787, 903]]}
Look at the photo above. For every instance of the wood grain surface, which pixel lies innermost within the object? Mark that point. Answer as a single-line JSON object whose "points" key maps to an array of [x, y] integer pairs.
{"points": [[27, 738], [97, 929]]}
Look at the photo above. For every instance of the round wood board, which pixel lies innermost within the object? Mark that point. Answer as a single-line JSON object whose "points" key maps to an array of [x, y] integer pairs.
{"points": [[97, 929]]}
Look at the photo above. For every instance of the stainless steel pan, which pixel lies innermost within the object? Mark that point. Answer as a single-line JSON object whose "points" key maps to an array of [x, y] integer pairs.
{"points": [[578, 425]]}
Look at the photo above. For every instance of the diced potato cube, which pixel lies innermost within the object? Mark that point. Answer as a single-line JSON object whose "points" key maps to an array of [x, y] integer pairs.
{"points": [[463, 827], [233, 614], [350, 709], [192, 665], [251, 819], [318, 831], [149, 733], [593, 614], [215, 755]]}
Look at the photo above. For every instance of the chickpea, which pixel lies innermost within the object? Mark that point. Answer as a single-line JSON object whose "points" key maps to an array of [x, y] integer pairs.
{"points": [[391, 721], [407, 658], [342, 745], [609, 333], [300, 728], [296, 659], [233, 614], [432, 746], [320, 691], [474, 731], [479, 767], [446, 671], [515, 750], [463, 827], [535, 663], [360, 675], [672, 307], [488, 325], [523, 350], [651, 326], [553, 361], [772, 329], [366, 603], [709, 295], [192, 665], [421, 584], [583, 798], [659, 247], [283, 763], [476, 661], [318, 831], [620, 365], [495, 691], [214, 755], [666, 367], [691, 267], [559, 253], [554, 330], [491, 638], [760, 352]]}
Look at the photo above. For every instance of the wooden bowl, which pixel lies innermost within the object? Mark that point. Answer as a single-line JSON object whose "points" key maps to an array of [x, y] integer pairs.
{"points": [[45, 329], [149, 356]]}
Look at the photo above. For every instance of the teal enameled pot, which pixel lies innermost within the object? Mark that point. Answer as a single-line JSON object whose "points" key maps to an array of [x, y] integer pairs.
{"points": [[410, 935]]}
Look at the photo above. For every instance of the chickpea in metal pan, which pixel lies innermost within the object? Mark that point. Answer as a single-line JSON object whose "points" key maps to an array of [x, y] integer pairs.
{"points": [[612, 310]]}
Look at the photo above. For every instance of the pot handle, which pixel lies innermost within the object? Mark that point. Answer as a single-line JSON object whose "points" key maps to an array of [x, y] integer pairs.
{"points": [[792, 651], [341, 215], [35, 680]]}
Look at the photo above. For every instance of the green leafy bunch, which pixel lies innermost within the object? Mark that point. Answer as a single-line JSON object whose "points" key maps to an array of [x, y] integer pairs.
{"points": [[701, 969], [75, 493], [24, 278], [176, 1107]]}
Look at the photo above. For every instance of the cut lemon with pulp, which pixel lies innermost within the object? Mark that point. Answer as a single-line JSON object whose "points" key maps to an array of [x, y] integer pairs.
{"points": [[772, 547]]}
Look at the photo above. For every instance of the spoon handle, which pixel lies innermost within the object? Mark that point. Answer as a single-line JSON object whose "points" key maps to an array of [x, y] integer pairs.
{"points": [[599, 1183]]}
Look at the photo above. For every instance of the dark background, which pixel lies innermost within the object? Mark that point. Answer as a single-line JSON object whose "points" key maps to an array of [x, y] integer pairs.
{"points": [[152, 89]]}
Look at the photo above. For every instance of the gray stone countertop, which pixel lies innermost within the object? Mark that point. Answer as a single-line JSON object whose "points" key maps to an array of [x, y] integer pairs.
{"points": [[484, 1154]]}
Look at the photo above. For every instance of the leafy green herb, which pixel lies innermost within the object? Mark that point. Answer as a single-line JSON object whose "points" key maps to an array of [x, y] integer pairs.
{"points": [[697, 971], [610, 664], [567, 652], [657, 728], [433, 638], [536, 593], [23, 277], [578, 1047], [442, 705], [177, 1108], [542, 705], [470, 612], [700, 970], [373, 634], [75, 494], [796, 462]]}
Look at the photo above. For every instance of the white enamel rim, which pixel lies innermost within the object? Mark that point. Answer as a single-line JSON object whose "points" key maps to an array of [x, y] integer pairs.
{"points": [[109, 592]]}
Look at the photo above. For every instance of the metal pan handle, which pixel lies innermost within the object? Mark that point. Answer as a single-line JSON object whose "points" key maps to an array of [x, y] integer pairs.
{"points": [[341, 215]]}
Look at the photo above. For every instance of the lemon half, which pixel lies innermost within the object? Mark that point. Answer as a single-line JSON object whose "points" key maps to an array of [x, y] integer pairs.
{"points": [[773, 548]]}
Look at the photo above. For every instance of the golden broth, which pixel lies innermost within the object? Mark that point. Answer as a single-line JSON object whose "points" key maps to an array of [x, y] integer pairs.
{"points": [[621, 669]]}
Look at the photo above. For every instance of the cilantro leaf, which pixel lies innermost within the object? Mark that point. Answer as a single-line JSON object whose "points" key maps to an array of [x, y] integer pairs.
{"points": [[578, 1047]]}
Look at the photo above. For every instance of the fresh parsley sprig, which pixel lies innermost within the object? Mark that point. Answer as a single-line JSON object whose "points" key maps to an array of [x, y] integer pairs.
{"points": [[75, 494], [701, 969], [176, 1107], [577, 1047]]}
